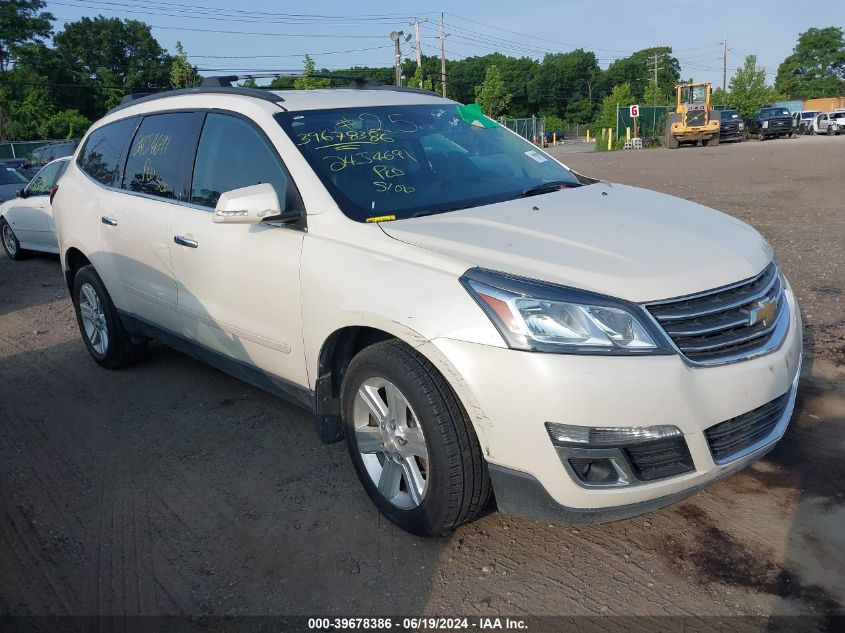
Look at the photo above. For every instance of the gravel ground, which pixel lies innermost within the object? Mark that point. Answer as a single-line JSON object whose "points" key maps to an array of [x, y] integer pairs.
{"points": [[171, 488]]}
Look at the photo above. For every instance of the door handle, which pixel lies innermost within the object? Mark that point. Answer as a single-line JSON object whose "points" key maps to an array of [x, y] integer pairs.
{"points": [[108, 221], [184, 241]]}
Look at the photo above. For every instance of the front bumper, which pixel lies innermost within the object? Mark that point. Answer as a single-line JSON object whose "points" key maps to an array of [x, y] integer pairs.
{"points": [[510, 395]]}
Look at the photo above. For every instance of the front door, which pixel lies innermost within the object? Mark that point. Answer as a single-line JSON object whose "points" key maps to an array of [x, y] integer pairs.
{"points": [[238, 284]]}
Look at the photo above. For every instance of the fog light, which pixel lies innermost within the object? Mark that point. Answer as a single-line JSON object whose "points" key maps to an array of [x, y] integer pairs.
{"points": [[594, 471], [601, 436]]}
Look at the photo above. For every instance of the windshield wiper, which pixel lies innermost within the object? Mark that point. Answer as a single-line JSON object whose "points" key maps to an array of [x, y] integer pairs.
{"points": [[547, 187]]}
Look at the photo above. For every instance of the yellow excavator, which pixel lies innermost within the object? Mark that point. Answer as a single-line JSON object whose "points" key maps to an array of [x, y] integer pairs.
{"points": [[693, 120]]}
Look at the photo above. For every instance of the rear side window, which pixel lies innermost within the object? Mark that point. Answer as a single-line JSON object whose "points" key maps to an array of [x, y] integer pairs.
{"points": [[100, 157], [233, 154], [163, 145]]}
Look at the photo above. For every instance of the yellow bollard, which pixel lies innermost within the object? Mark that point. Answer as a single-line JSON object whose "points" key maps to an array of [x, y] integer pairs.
{"points": [[588, 135], [609, 139], [628, 134], [554, 138]]}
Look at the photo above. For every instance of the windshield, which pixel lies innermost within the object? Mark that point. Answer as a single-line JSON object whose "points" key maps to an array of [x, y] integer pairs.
{"points": [[808, 115], [693, 94], [9, 176], [730, 114], [768, 113], [401, 161], [838, 115]]}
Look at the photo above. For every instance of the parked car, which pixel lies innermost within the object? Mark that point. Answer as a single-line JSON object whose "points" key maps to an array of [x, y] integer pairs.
{"points": [[830, 123], [470, 315], [804, 120], [11, 181], [43, 155], [26, 222], [731, 126], [21, 165], [771, 123], [550, 136]]}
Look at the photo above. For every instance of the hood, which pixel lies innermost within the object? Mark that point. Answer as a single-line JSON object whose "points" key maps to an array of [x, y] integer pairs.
{"points": [[623, 241]]}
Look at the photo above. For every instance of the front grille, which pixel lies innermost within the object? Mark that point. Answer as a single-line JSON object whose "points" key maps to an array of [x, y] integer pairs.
{"points": [[780, 125], [695, 118], [730, 437], [715, 325], [730, 128], [660, 458]]}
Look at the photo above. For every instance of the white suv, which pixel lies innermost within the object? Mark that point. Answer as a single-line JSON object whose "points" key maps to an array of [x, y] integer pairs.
{"points": [[474, 318]]}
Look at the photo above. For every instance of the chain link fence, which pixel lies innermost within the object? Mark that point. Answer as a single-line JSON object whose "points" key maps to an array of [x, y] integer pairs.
{"points": [[23, 149], [532, 129]]}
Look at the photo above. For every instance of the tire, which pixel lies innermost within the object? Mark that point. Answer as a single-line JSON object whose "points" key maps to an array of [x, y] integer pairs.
{"points": [[431, 441], [104, 335], [830, 130], [761, 136], [714, 141], [10, 242]]}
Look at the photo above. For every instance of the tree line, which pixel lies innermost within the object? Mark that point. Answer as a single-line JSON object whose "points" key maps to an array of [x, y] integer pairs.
{"points": [[54, 84]]}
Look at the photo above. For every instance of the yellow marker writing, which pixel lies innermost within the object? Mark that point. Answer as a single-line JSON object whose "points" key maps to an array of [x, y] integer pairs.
{"points": [[382, 218]]}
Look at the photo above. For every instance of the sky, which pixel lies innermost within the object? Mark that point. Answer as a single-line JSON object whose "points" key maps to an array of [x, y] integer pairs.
{"points": [[222, 37]]}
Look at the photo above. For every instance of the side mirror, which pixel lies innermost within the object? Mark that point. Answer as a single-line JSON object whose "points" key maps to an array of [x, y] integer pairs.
{"points": [[251, 205], [22, 193]]}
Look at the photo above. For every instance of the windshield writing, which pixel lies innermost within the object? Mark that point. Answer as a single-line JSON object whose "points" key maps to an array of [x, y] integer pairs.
{"points": [[402, 161]]}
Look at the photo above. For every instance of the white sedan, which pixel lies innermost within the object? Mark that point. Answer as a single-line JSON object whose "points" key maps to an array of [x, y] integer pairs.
{"points": [[26, 222]]}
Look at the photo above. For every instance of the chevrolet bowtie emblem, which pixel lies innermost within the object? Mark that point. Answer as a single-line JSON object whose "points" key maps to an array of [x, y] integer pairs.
{"points": [[762, 311]]}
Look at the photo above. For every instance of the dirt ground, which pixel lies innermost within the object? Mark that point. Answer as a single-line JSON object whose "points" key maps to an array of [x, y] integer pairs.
{"points": [[171, 488]]}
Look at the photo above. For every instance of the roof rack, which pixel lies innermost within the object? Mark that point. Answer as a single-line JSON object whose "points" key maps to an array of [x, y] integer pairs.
{"points": [[222, 84], [257, 93], [363, 83], [225, 81]]}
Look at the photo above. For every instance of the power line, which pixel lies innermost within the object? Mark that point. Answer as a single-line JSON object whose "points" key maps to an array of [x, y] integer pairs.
{"points": [[199, 10], [226, 32], [351, 50]]}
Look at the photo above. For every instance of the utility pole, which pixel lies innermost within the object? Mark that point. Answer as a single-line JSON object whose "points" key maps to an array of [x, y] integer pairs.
{"points": [[416, 23], [442, 57], [398, 53], [725, 63], [655, 59]]}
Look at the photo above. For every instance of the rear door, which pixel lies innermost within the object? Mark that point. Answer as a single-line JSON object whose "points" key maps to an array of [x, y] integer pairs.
{"points": [[135, 223], [238, 284]]}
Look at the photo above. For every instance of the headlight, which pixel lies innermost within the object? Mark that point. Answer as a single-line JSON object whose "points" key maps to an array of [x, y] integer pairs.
{"points": [[765, 124], [532, 315], [742, 126]]}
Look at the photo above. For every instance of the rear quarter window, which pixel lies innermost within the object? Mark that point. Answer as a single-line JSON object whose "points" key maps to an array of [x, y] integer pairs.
{"points": [[101, 154]]}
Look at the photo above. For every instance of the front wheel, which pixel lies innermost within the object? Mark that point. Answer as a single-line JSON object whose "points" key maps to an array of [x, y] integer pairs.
{"points": [[761, 136], [10, 242], [107, 340], [411, 442]]}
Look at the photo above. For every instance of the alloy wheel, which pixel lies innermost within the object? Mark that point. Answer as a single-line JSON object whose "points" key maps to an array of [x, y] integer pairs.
{"points": [[391, 442], [9, 240], [93, 319]]}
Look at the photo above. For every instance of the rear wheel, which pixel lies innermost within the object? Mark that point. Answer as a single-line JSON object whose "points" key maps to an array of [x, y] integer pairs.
{"points": [[107, 340], [10, 242], [411, 442]]}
